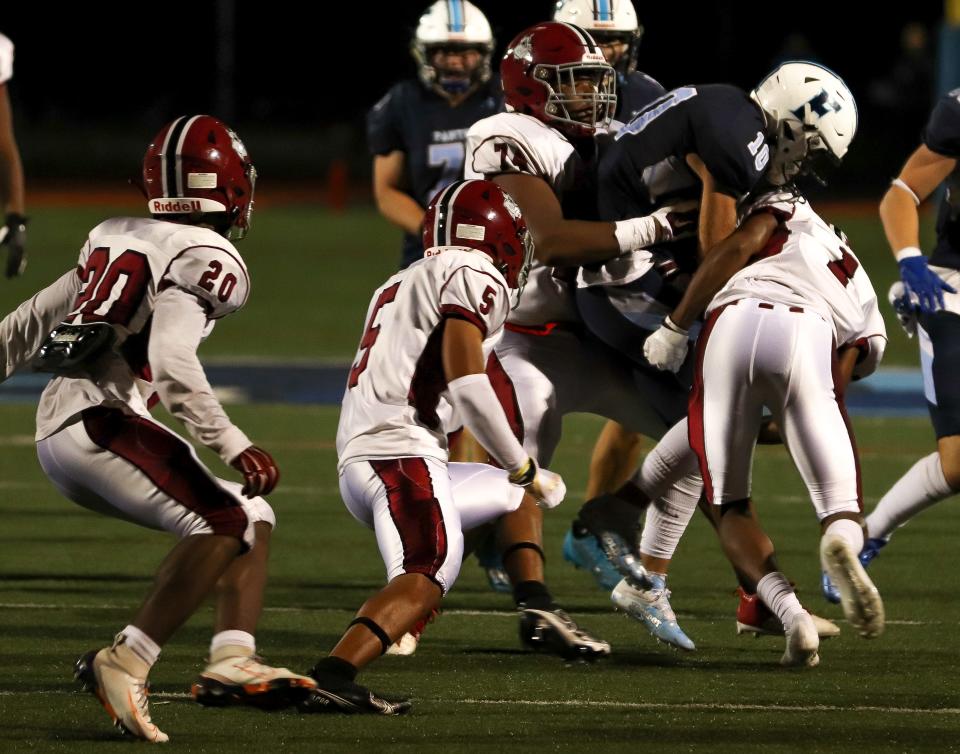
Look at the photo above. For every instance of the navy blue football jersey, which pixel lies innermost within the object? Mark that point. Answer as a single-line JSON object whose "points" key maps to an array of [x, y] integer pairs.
{"points": [[645, 167], [942, 135], [634, 92], [414, 120]]}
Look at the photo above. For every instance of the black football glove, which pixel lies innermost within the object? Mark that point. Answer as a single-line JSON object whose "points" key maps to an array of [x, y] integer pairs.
{"points": [[13, 235]]}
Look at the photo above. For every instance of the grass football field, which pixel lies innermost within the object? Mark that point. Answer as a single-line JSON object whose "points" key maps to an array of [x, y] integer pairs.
{"points": [[69, 578]]}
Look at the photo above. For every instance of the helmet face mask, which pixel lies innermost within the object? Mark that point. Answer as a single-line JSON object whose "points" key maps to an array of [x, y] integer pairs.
{"points": [[452, 27], [478, 214], [811, 115], [556, 73], [197, 171], [581, 96]]}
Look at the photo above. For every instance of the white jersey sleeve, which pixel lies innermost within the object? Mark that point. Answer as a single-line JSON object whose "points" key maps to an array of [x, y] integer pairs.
{"points": [[23, 331], [476, 296], [6, 59], [515, 143], [179, 324], [216, 276]]}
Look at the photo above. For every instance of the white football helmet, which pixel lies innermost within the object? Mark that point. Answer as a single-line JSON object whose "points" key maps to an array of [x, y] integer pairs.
{"points": [[606, 20], [810, 112], [457, 24]]}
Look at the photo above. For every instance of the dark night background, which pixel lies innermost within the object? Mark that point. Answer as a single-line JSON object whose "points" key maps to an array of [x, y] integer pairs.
{"points": [[93, 83]]}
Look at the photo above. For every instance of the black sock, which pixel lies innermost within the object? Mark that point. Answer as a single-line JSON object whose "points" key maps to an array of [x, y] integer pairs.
{"points": [[336, 666], [533, 594]]}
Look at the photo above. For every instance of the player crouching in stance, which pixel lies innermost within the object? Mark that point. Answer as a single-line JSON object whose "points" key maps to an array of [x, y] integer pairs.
{"points": [[430, 329], [781, 295], [128, 321]]}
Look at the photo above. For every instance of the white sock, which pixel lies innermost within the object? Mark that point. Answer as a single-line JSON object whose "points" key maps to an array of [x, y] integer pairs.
{"points": [[778, 595], [668, 516], [848, 530], [231, 644], [918, 489], [142, 645]]}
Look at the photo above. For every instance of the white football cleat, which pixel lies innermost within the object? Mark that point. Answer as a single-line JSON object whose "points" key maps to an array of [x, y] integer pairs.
{"points": [[802, 643], [122, 696], [652, 608], [405, 646], [245, 680], [860, 599]]}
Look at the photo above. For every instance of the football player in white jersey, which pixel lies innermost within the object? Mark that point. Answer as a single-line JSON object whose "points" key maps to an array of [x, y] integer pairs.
{"points": [[781, 295], [559, 89], [429, 332], [13, 231], [124, 326]]}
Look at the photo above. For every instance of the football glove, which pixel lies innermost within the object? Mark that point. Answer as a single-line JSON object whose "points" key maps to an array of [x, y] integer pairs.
{"points": [[905, 307], [548, 488], [922, 282], [13, 235], [666, 348], [677, 220], [260, 472]]}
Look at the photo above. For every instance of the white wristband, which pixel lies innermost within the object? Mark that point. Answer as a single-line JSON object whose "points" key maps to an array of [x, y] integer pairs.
{"points": [[902, 185], [636, 233], [908, 251]]}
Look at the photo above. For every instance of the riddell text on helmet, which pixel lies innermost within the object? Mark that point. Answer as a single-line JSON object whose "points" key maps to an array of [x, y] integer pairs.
{"points": [[177, 205]]}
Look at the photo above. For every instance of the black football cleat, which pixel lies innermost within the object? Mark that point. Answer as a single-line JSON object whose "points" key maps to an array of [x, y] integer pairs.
{"points": [[555, 632], [334, 694]]}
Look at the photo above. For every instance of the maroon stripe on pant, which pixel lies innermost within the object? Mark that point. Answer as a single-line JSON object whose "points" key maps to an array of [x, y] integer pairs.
{"points": [[839, 392], [167, 461], [695, 404], [416, 513], [506, 393]]}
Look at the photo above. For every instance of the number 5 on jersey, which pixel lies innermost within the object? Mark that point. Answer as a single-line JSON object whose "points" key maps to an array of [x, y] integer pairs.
{"points": [[371, 334]]}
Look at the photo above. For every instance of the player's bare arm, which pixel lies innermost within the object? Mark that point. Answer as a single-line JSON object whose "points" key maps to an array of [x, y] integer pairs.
{"points": [[398, 207], [558, 241], [11, 169], [923, 171], [727, 258], [921, 174], [718, 211]]}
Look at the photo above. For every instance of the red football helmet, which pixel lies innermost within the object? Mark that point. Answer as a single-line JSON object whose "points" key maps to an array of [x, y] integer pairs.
{"points": [[197, 167], [481, 215], [544, 72]]}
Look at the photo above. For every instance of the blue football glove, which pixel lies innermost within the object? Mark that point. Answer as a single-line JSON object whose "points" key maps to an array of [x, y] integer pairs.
{"points": [[923, 283]]}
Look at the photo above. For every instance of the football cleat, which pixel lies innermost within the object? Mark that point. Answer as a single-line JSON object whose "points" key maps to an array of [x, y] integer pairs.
{"points": [[407, 644], [581, 549], [859, 598], [802, 644], [652, 608], [338, 695], [554, 631], [613, 523], [247, 681], [754, 617], [122, 696], [492, 564], [871, 548]]}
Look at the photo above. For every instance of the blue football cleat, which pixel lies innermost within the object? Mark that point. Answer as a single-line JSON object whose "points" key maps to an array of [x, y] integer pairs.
{"points": [[871, 548], [584, 553], [488, 556], [652, 608]]}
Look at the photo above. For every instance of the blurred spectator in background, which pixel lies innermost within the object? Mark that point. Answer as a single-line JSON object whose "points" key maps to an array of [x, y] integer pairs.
{"points": [[13, 233], [417, 130], [908, 87]]}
